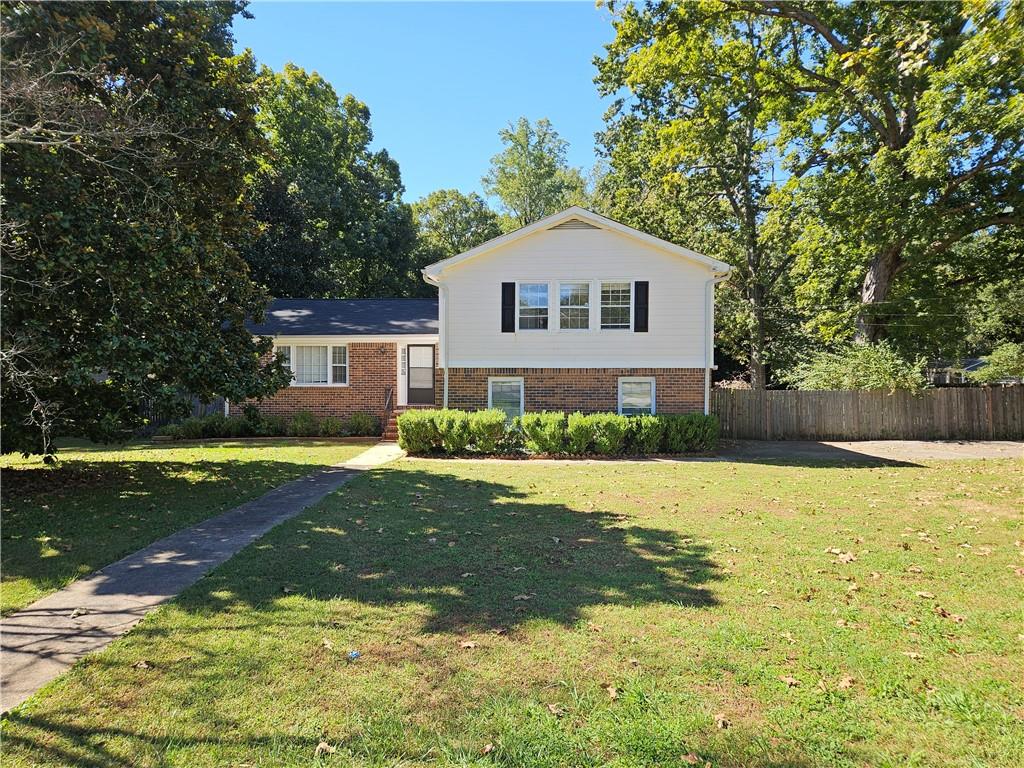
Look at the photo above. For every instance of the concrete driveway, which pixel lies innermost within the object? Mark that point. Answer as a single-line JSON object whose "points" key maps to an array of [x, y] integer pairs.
{"points": [[870, 450]]}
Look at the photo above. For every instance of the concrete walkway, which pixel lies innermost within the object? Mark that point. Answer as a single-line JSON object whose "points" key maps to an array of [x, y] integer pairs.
{"points": [[40, 642]]}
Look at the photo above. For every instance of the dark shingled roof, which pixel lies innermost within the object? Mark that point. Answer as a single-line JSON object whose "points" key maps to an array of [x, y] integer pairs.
{"points": [[348, 317]]}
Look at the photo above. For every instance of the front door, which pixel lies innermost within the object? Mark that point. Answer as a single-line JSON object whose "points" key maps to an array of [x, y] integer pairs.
{"points": [[421, 374]]}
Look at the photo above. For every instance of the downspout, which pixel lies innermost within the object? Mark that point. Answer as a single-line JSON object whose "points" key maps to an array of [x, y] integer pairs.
{"points": [[709, 333]]}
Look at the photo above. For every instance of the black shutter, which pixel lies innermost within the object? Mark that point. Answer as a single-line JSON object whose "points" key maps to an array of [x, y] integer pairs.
{"points": [[508, 307], [641, 289]]}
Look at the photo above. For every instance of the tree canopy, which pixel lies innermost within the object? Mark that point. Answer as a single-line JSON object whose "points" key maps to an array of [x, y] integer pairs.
{"points": [[531, 176], [123, 172], [330, 210]]}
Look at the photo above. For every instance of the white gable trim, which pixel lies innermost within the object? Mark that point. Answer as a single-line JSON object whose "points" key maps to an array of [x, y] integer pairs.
{"points": [[432, 272]]}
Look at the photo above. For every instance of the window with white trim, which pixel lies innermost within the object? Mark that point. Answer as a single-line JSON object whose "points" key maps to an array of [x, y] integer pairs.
{"points": [[506, 395], [615, 305], [574, 306], [315, 364], [339, 365], [533, 306], [636, 395]]}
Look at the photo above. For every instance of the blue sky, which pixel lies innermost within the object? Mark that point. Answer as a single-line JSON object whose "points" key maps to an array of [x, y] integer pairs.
{"points": [[441, 79]]}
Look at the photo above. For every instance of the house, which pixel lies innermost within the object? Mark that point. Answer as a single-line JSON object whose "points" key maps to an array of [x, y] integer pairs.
{"points": [[573, 312]]}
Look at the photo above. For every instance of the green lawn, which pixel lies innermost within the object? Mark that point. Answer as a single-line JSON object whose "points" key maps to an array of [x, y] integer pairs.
{"points": [[543, 614], [102, 502]]}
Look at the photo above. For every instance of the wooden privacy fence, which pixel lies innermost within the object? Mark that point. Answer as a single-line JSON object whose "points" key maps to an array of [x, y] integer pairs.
{"points": [[983, 413]]}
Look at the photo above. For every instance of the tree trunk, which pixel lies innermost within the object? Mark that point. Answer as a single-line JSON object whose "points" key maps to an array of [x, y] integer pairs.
{"points": [[871, 321], [757, 340]]}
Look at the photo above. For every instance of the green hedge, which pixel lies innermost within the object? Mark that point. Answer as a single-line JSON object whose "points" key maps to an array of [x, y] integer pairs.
{"points": [[253, 423], [453, 432]]}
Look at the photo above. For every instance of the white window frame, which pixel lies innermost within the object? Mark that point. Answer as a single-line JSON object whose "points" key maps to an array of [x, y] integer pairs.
{"points": [[640, 379], [330, 364], [507, 380], [588, 307], [519, 286], [632, 302]]}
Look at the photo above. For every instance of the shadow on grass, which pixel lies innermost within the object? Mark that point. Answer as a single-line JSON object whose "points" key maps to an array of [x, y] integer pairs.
{"points": [[803, 453], [62, 522], [477, 554]]}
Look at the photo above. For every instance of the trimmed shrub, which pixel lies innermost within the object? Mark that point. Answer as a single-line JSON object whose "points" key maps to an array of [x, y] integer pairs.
{"points": [[172, 431], [514, 439], [545, 432], [486, 429], [417, 431], [331, 426], [645, 433], [610, 431], [690, 433], [580, 431], [238, 426], [453, 430], [303, 424], [362, 424], [192, 428], [272, 426]]}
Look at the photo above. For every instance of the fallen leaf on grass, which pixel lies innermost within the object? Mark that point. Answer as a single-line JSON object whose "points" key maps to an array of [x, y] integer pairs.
{"points": [[926, 595], [913, 655], [940, 611], [141, 664], [721, 721], [525, 597], [467, 644], [326, 643], [845, 683], [846, 557], [790, 682], [556, 710], [690, 758], [612, 691], [488, 748], [915, 569], [323, 748]]}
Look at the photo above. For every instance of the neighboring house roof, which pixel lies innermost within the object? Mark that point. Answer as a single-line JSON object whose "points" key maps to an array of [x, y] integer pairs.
{"points": [[560, 219], [348, 317]]}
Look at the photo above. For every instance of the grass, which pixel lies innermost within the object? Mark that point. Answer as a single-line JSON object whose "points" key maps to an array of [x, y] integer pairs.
{"points": [[604, 614], [102, 503]]}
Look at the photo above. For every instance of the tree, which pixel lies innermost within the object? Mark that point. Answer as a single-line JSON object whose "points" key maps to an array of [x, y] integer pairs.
{"points": [[692, 145], [1005, 362], [332, 219], [450, 222], [901, 134], [530, 176], [859, 366], [123, 172]]}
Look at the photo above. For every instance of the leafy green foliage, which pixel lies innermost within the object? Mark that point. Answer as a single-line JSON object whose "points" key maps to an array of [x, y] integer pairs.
{"points": [[128, 130], [487, 429], [1005, 362], [362, 424], [545, 432], [859, 366], [331, 426], [303, 423], [450, 222], [530, 176], [553, 433], [331, 216], [418, 432]]}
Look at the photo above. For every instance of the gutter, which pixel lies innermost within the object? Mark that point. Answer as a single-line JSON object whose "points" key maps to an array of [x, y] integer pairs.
{"points": [[709, 333], [443, 293]]}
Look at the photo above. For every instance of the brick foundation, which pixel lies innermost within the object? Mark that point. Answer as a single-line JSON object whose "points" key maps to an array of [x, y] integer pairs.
{"points": [[371, 370], [677, 390]]}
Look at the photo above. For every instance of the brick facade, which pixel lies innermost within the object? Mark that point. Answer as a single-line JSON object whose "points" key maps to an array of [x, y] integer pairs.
{"points": [[677, 390], [371, 370]]}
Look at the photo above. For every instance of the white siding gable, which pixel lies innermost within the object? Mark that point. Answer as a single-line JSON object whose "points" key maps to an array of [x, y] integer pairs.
{"points": [[471, 299]]}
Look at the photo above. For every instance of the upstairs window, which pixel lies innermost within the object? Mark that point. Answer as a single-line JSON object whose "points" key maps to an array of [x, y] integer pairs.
{"points": [[533, 306], [574, 306], [615, 305]]}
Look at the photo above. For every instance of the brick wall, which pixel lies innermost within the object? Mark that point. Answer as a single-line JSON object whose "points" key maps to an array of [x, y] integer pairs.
{"points": [[371, 370], [677, 390]]}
